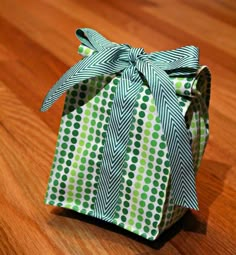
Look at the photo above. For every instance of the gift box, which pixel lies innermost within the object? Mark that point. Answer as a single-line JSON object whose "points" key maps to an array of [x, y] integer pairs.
{"points": [[132, 134]]}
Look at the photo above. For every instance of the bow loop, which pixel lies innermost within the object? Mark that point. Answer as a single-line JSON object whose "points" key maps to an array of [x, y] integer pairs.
{"points": [[181, 61]]}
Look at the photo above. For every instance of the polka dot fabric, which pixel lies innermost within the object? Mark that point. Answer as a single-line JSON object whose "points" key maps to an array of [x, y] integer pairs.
{"points": [[145, 205]]}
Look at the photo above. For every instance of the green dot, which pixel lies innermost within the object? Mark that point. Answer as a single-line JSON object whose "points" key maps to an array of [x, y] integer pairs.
{"points": [[59, 167], [147, 180], [129, 183], [61, 160], [131, 222], [141, 114], [140, 218], [76, 125], [155, 183], [152, 108], [154, 232], [132, 214], [138, 137], [62, 185], [85, 204], [61, 198], [77, 201], [151, 158], [161, 194], [167, 163], [178, 85], [154, 191], [144, 196], [126, 204], [71, 180], [148, 124], [160, 153], [53, 196], [72, 148], [66, 170], [149, 214], [141, 210], [64, 145], [143, 162], [67, 131], [137, 144], [150, 206], [163, 186], [145, 98], [145, 187], [156, 217], [147, 132], [54, 189], [143, 106], [123, 218], [72, 101], [137, 185], [157, 175], [142, 203], [139, 177], [164, 178], [82, 167], [140, 122], [86, 197], [80, 49], [155, 135], [134, 160], [157, 127], [116, 81], [133, 207], [158, 209], [138, 225], [187, 85], [166, 171], [162, 145], [58, 175]]}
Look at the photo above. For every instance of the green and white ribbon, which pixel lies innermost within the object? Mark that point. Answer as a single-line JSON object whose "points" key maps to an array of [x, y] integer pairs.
{"points": [[135, 65]]}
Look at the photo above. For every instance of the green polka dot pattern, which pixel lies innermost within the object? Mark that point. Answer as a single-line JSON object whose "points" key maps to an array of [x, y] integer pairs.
{"points": [[145, 205], [197, 121]]}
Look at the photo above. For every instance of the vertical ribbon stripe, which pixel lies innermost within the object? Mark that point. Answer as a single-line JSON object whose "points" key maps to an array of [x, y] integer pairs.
{"points": [[116, 143]]}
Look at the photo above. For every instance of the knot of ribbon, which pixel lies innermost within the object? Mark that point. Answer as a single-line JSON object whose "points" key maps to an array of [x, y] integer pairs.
{"points": [[134, 54], [157, 68]]}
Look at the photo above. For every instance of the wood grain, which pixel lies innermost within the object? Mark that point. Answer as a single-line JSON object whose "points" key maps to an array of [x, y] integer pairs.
{"points": [[37, 44]]}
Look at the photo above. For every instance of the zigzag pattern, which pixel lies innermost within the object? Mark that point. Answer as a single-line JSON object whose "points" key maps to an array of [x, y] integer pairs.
{"points": [[174, 127], [116, 142], [110, 58]]}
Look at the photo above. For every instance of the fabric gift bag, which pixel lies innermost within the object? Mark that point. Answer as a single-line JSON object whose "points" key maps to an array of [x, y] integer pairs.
{"points": [[132, 134]]}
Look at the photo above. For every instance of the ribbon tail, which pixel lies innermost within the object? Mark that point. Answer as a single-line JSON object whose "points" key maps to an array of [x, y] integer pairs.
{"points": [[99, 63], [93, 39], [182, 171]]}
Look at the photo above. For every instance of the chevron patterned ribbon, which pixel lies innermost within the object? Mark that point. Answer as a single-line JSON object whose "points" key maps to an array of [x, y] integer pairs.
{"points": [[134, 64]]}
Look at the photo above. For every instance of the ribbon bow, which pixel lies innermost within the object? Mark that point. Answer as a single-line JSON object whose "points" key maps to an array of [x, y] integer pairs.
{"points": [[134, 65]]}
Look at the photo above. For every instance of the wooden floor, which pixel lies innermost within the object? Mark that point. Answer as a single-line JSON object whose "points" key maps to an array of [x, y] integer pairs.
{"points": [[37, 44]]}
